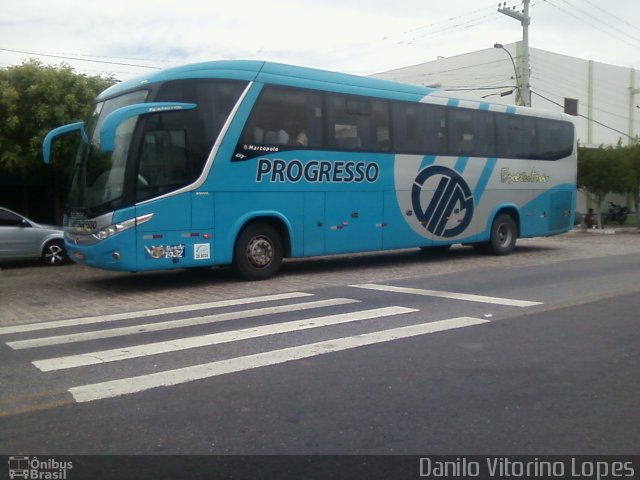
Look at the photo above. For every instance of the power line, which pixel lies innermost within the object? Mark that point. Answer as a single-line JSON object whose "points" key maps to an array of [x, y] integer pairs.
{"points": [[598, 109], [600, 20], [597, 27], [446, 21], [584, 116], [472, 89], [66, 57], [614, 16]]}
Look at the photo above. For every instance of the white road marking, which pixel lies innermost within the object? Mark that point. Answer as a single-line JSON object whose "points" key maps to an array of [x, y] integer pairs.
{"points": [[168, 325], [30, 327], [124, 386], [136, 351], [452, 295]]}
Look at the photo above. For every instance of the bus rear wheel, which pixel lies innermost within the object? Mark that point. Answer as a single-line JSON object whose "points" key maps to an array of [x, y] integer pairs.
{"points": [[257, 254], [504, 233]]}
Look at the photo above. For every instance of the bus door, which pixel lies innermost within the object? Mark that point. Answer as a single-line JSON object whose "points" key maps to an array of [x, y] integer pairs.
{"points": [[164, 240], [353, 221]]}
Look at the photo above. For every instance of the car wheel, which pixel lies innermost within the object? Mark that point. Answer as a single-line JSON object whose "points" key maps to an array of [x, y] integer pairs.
{"points": [[54, 253]]}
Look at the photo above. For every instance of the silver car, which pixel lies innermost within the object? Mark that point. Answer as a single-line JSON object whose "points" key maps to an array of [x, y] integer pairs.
{"points": [[21, 239]]}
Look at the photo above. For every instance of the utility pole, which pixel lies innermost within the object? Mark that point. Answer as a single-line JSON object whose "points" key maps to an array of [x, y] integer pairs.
{"points": [[633, 91], [525, 20]]}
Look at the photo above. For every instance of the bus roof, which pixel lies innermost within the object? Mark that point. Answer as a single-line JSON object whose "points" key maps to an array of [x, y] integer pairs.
{"points": [[304, 77], [289, 75]]}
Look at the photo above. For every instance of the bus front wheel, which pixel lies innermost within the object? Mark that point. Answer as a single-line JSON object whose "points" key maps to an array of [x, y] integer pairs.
{"points": [[257, 254], [504, 233]]}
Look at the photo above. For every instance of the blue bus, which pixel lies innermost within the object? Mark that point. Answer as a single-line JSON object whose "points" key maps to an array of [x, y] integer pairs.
{"points": [[250, 162]]}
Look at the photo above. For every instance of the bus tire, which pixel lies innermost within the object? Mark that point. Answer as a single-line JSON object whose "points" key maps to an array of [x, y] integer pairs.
{"points": [[504, 233], [257, 253]]}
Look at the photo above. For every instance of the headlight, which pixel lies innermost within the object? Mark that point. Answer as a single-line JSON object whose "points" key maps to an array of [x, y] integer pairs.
{"points": [[122, 226], [112, 230]]}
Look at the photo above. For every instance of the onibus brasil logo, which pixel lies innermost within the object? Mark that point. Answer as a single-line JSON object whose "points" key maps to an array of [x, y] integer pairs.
{"points": [[448, 212], [34, 468]]}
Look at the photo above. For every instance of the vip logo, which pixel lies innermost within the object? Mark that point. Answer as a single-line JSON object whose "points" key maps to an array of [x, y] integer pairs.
{"points": [[448, 211]]}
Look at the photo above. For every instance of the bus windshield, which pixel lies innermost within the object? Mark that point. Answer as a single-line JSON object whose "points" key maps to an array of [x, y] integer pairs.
{"points": [[98, 177], [152, 154]]}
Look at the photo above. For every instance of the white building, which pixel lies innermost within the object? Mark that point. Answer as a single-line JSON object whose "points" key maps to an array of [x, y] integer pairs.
{"points": [[608, 96]]}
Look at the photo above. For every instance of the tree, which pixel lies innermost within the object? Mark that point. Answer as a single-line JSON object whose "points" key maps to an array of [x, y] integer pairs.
{"points": [[601, 171], [632, 158], [35, 98]]}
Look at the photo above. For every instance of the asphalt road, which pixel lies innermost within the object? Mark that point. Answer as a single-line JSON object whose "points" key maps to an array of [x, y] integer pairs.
{"points": [[404, 353]]}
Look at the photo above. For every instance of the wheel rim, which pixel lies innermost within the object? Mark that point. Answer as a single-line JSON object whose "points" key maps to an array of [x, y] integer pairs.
{"points": [[54, 255], [504, 235], [260, 252]]}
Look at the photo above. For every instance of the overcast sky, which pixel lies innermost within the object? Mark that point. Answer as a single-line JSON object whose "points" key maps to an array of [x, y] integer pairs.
{"points": [[354, 36]]}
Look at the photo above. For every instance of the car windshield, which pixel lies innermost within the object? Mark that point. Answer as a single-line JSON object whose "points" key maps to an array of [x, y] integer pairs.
{"points": [[98, 179]]}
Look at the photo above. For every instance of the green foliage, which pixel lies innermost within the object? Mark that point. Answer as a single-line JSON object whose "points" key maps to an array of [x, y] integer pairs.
{"points": [[632, 162], [605, 170], [34, 99]]}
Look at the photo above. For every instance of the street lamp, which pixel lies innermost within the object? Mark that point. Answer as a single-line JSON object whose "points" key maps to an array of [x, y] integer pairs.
{"points": [[499, 46], [502, 94]]}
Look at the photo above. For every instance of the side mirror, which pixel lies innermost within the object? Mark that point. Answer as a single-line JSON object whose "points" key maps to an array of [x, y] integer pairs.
{"points": [[56, 132], [115, 118]]}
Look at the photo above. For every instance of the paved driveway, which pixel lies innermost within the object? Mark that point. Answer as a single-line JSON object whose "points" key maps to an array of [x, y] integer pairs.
{"points": [[31, 293]]}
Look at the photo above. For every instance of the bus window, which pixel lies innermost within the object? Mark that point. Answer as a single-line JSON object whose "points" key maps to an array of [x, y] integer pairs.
{"points": [[170, 158], [405, 127], [358, 123], [516, 136], [433, 123], [163, 164], [346, 125], [462, 136], [285, 117], [485, 134], [381, 128], [556, 139]]}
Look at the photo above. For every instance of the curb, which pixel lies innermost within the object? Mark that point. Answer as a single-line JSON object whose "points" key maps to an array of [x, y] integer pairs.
{"points": [[605, 231]]}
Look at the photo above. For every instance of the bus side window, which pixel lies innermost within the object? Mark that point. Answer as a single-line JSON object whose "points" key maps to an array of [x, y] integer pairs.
{"points": [[462, 136], [285, 117], [405, 127], [358, 123], [517, 136], [485, 133], [508, 135], [433, 123], [558, 139], [381, 127], [346, 120], [163, 163]]}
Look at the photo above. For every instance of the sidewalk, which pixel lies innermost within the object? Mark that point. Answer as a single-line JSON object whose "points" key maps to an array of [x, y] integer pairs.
{"points": [[607, 230]]}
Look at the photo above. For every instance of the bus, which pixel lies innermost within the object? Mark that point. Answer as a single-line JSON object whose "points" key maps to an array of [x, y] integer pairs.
{"points": [[245, 163]]}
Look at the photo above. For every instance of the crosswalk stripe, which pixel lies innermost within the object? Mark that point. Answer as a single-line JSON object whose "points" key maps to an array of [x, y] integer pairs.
{"points": [[72, 322], [451, 295], [136, 351], [168, 325], [115, 388]]}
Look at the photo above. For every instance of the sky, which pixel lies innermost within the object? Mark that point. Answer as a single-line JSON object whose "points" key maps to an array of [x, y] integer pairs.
{"points": [[125, 39]]}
